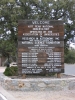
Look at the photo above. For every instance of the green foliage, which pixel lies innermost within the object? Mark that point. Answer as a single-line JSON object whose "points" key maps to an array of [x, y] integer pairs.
{"points": [[13, 10], [7, 47], [70, 56], [11, 71]]}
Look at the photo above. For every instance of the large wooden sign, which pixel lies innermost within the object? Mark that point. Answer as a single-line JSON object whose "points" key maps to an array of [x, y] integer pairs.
{"points": [[40, 46]]}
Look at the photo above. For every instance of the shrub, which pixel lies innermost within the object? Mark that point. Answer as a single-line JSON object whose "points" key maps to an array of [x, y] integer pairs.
{"points": [[70, 56], [11, 71]]}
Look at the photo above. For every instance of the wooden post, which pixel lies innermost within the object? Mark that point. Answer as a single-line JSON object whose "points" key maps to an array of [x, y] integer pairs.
{"points": [[23, 76], [58, 75], [0, 62]]}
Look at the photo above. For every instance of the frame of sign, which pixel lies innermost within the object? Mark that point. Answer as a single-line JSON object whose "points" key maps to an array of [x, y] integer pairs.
{"points": [[40, 47]]}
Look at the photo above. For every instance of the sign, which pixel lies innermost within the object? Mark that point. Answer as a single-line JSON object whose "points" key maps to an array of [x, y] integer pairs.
{"points": [[40, 47]]}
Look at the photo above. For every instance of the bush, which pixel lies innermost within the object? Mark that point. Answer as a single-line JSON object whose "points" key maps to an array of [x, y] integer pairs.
{"points": [[11, 71], [70, 57]]}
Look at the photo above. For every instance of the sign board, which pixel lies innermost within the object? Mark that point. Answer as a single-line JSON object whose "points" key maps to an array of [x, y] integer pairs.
{"points": [[40, 47]]}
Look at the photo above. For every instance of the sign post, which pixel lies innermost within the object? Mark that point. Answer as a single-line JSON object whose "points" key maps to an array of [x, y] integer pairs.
{"points": [[40, 47]]}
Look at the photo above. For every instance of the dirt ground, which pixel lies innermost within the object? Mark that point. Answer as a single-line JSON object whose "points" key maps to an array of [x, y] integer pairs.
{"points": [[44, 95]]}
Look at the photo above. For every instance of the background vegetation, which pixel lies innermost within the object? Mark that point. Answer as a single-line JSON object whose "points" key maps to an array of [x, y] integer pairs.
{"points": [[13, 10], [70, 57]]}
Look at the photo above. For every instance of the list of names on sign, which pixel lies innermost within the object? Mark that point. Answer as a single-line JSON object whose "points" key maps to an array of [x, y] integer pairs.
{"points": [[40, 46]]}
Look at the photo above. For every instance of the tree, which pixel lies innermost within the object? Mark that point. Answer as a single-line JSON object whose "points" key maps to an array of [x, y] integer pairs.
{"points": [[8, 25], [10, 12], [13, 10], [58, 10], [7, 49]]}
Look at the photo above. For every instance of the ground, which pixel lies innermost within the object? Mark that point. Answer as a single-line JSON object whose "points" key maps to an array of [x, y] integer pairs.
{"points": [[44, 95]]}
